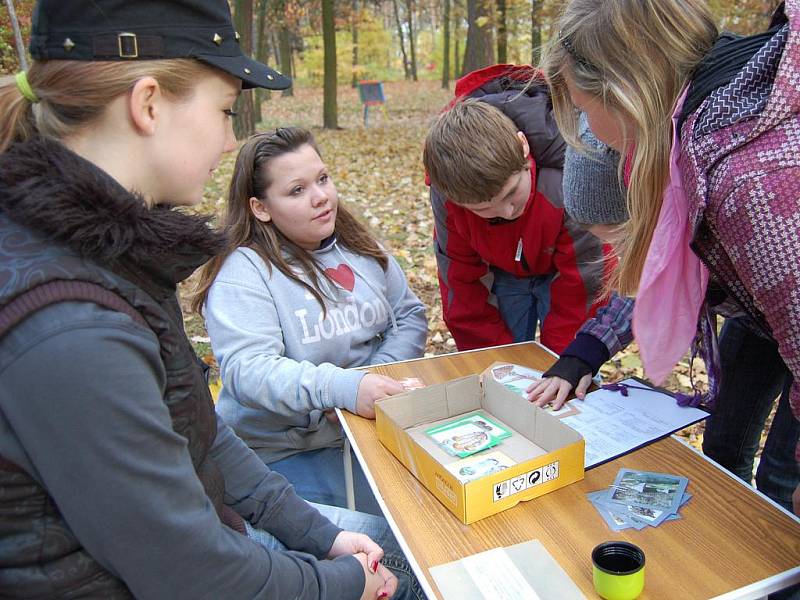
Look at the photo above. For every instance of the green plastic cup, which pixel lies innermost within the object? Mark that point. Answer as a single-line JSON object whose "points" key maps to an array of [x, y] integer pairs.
{"points": [[618, 570]]}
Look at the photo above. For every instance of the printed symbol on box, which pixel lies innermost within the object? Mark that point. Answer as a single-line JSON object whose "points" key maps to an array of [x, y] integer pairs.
{"points": [[550, 472], [534, 477], [500, 490], [518, 484]]}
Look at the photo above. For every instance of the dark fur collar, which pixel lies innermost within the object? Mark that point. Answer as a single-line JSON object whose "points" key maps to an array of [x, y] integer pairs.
{"points": [[47, 188]]}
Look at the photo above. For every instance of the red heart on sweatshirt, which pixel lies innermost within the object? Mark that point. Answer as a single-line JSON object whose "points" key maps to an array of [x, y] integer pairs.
{"points": [[343, 275]]}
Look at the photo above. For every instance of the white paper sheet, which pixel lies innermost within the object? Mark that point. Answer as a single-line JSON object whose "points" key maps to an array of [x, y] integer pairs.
{"points": [[497, 577], [613, 424], [610, 423], [523, 571]]}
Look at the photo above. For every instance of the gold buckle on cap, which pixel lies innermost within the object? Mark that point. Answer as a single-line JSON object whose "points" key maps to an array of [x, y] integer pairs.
{"points": [[127, 51]]}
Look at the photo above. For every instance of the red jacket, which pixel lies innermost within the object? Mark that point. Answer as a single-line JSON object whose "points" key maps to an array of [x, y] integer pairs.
{"points": [[467, 245]]}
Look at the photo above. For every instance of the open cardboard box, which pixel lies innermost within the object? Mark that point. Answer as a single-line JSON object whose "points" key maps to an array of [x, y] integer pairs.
{"points": [[547, 453]]}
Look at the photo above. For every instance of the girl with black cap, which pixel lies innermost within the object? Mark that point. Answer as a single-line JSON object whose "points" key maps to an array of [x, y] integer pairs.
{"points": [[116, 477]]}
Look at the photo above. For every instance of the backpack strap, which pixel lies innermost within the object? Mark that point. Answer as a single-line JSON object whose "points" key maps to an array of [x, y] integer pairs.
{"points": [[63, 290]]}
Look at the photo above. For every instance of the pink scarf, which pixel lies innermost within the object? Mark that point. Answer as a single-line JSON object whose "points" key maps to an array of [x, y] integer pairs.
{"points": [[674, 280]]}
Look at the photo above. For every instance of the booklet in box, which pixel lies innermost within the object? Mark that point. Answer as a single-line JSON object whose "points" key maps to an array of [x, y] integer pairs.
{"points": [[541, 454]]}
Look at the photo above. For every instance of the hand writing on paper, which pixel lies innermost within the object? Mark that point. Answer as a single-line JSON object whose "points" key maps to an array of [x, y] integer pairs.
{"points": [[374, 387], [556, 390]]}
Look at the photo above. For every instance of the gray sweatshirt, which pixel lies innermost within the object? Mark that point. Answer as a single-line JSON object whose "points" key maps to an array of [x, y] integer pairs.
{"points": [[81, 411], [283, 363]]}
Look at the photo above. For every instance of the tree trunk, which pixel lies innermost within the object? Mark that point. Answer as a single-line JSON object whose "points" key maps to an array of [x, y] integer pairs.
{"points": [[457, 53], [536, 32], [402, 42], [502, 32], [285, 42], [244, 124], [480, 49], [23, 62], [329, 108], [446, 49], [354, 82], [261, 53], [412, 37]]}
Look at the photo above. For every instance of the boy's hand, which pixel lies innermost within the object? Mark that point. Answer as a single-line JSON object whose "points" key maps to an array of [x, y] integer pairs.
{"points": [[374, 387], [556, 390]]}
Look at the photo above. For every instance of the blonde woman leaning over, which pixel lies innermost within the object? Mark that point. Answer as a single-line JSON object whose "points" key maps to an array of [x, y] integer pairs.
{"points": [[710, 128]]}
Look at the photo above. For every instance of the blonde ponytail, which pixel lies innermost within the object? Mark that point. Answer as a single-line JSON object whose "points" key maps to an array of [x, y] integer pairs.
{"points": [[17, 123], [73, 93]]}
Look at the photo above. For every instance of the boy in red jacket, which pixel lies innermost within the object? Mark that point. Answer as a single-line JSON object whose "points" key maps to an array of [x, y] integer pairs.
{"points": [[509, 257]]}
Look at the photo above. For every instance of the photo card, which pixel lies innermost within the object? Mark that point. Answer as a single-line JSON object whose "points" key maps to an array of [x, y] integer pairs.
{"points": [[490, 425], [645, 490], [475, 467], [462, 437]]}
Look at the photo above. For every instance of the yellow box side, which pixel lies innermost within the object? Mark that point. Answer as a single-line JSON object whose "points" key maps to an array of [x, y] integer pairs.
{"points": [[481, 499]]}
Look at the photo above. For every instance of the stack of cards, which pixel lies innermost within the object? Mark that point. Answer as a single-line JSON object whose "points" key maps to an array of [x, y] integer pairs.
{"points": [[468, 435], [640, 499]]}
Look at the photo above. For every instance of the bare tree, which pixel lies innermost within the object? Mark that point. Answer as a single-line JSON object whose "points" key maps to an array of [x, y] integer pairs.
{"points": [[354, 82], [244, 124], [23, 62], [446, 49], [479, 52], [329, 107], [284, 42], [261, 51], [536, 31], [502, 32], [402, 38], [412, 42]]}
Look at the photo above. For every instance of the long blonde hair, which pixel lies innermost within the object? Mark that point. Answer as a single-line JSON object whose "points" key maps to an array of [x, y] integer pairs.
{"points": [[635, 55], [242, 229], [73, 93]]}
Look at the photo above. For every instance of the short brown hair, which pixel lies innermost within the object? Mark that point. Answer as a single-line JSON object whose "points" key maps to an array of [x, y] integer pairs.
{"points": [[470, 152]]}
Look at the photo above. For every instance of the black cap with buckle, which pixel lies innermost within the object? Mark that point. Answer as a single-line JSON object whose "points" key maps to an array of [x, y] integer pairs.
{"points": [[146, 30]]}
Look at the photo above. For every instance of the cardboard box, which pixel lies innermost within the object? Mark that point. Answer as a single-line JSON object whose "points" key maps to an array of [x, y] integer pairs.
{"points": [[549, 454]]}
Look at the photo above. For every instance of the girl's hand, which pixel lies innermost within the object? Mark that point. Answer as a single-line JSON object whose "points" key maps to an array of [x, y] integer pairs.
{"points": [[350, 542], [556, 390], [380, 585], [374, 387]]}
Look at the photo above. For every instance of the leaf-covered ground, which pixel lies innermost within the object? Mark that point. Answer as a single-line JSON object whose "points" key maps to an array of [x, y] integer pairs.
{"points": [[378, 174]]}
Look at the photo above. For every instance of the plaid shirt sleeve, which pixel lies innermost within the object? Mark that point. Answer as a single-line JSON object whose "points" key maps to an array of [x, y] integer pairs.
{"points": [[612, 324]]}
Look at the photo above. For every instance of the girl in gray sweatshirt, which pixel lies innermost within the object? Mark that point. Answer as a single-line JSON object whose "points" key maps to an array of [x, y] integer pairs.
{"points": [[303, 294]]}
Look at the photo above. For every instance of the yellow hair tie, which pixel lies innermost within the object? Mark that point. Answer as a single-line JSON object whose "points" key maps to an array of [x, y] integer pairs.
{"points": [[25, 87]]}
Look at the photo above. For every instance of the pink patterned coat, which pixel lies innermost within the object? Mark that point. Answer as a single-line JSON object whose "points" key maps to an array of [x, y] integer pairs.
{"points": [[741, 164]]}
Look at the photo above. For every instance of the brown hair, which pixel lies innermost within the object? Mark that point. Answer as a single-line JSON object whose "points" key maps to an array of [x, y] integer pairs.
{"points": [[74, 93], [636, 56], [470, 152], [251, 179]]}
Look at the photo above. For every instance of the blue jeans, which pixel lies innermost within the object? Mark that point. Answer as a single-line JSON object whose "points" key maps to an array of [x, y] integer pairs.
{"points": [[753, 375], [523, 302], [377, 529], [318, 476]]}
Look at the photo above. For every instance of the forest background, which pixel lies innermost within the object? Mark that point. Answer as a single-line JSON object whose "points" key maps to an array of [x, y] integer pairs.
{"points": [[417, 48]]}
